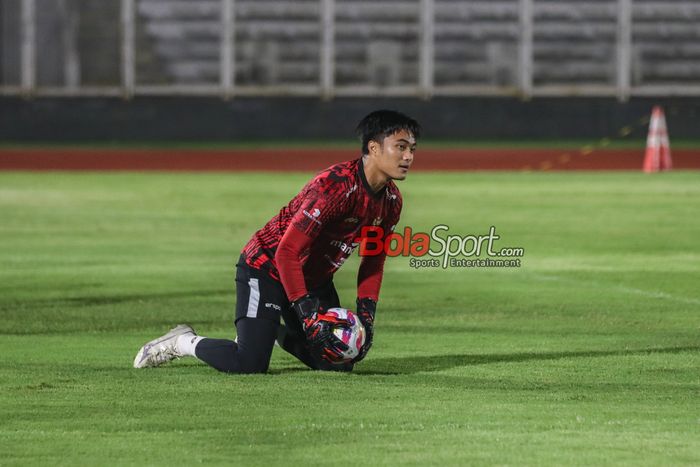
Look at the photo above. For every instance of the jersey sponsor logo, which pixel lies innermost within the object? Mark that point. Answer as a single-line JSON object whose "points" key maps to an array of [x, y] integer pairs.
{"points": [[273, 306], [344, 247], [313, 216], [351, 220], [377, 221]]}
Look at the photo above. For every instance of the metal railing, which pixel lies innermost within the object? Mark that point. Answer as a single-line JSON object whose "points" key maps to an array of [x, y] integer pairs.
{"points": [[525, 85]]}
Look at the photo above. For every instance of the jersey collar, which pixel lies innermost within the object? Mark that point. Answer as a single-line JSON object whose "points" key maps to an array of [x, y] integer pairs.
{"points": [[365, 183]]}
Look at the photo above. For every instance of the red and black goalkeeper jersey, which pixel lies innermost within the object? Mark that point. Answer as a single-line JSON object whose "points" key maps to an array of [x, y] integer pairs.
{"points": [[326, 218]]}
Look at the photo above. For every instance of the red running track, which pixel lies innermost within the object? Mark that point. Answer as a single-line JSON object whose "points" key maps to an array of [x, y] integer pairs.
{"points": [[317, 159]]}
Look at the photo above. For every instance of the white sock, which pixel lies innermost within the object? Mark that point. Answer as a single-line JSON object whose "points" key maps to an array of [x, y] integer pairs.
{"points": [[186, 344]]}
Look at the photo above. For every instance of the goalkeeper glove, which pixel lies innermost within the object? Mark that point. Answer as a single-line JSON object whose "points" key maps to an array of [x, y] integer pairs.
{"points": [[319, 331], [366, 308]]}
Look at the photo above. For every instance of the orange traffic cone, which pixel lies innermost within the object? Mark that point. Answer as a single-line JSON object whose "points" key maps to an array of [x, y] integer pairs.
{"points": [[658, 154]]}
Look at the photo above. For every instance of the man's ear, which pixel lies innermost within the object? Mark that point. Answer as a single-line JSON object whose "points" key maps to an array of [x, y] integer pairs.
{"points": [[373, 147]]}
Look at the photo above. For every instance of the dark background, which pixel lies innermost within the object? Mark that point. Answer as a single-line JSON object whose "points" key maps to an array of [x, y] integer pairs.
{"points": [[171, 119]]}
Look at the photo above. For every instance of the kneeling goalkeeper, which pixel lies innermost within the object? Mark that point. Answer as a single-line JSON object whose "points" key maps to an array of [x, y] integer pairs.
{"points": [[286, 269]]}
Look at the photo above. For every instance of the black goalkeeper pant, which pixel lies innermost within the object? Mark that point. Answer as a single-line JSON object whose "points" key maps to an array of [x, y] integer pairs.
{"points": [[260, 303]]}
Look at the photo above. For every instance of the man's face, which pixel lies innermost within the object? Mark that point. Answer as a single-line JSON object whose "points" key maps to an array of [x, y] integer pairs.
{"points": [[394, 155]]}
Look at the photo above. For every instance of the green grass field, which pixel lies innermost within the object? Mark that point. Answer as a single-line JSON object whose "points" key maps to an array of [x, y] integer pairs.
{"points": [[588, 354]]}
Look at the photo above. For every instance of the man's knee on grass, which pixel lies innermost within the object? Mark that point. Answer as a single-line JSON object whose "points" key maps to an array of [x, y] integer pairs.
{"points": [[252, 352]]}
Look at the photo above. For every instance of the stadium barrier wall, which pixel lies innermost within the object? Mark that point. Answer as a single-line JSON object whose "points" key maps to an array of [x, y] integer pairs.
{"points": [[167, 119]]}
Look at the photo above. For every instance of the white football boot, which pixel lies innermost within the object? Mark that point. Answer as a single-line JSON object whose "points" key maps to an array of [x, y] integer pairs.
{"points": [[163, 349]]}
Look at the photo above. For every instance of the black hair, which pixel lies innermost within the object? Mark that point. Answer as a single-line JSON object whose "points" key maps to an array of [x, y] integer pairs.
{"points": [[382, 123]]}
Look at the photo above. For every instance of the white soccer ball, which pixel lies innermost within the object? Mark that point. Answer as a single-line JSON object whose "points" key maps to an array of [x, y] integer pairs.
{"points": [[353, 335]]}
